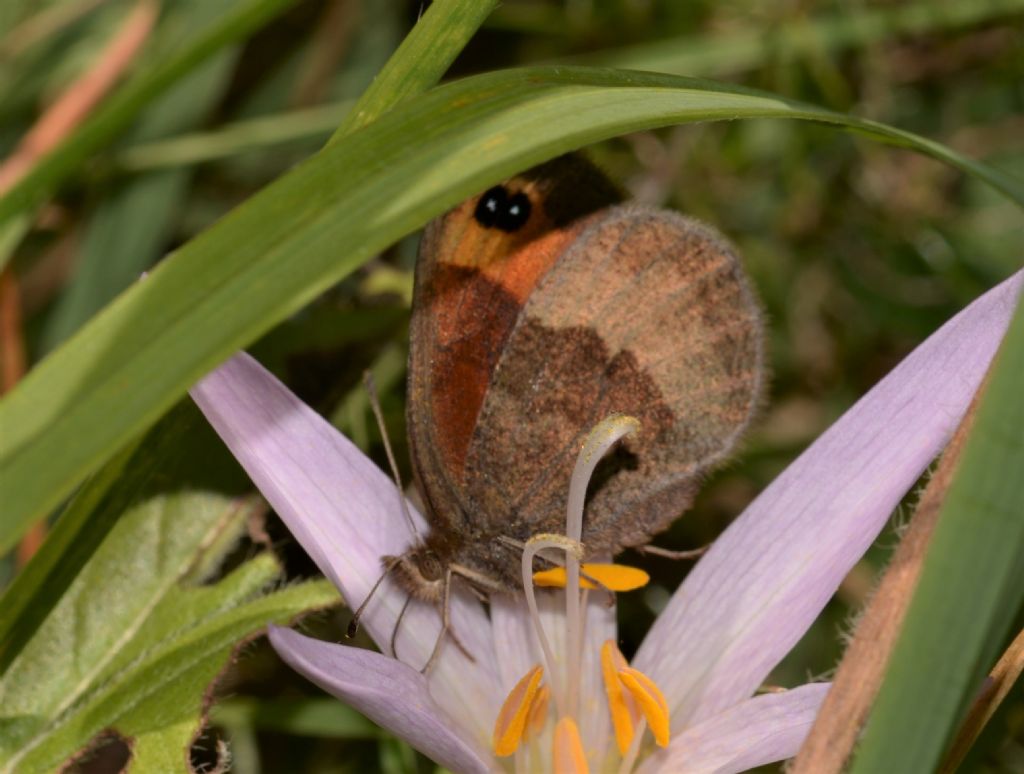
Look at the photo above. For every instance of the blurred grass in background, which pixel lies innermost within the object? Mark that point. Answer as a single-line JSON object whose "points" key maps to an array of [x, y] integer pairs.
{"points": [[858, 250]]}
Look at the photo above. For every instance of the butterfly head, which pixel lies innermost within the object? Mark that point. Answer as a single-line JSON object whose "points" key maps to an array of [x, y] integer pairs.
{"points": [[421, 572]]}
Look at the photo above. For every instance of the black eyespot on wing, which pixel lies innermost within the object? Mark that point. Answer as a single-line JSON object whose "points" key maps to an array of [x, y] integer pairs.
{"points": [[499, 209]]}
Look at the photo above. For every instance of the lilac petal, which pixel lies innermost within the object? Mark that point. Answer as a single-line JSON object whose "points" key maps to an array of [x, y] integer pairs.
{"points": [[387, 691], [345, 513], [767, 577], [753, 733]]}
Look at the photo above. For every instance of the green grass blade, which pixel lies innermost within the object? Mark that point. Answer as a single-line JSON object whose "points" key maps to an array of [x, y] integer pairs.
{"points": [[971, 586], [233, 139], [116, 113], [315, 225], [424, 56]]}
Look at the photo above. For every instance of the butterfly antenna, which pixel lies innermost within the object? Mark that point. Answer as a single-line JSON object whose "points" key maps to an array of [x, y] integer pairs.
{"points": [[371, 389], [353, 626]]}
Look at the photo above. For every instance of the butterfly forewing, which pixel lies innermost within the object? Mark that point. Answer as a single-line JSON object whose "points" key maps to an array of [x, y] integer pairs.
{"points": [[524, 339]]}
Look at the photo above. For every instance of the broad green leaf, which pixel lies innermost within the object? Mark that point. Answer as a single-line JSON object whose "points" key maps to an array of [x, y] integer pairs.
{"points": [[132, 650], [34, 591], [134, 641], [971, 586], [703, 55], [160, 690], [163, 749], [313, 226], [181, 451]]}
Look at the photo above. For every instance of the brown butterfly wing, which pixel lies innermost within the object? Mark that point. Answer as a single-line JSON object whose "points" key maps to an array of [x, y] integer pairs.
{"points": [[471, 284], [649, 314]]}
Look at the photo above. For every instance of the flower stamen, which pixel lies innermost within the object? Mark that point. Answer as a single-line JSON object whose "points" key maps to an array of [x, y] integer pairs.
{"points": [[568, 749], [514, 719], [632, 693], [593, 575], [599, 441], [623, 710], [651, 700]]}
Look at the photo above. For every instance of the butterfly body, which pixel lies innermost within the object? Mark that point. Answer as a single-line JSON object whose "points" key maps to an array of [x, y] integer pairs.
{"points": [[540, 308]]}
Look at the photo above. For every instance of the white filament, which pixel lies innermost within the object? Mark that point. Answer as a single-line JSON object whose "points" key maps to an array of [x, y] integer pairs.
{"points": [[572, 550], [600, 440]]}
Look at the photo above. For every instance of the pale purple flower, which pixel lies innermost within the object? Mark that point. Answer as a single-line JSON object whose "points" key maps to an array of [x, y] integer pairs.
{"points": [[741, 609]]}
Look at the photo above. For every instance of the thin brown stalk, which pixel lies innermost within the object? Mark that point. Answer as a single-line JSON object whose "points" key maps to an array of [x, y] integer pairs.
{"points": [[12, 368], [12, 347], [842, 717], [997, 687]]}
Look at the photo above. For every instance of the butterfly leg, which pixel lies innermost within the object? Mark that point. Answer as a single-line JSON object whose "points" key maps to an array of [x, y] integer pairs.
{"points": [[398, 622], [390, 563], [446, 626]]}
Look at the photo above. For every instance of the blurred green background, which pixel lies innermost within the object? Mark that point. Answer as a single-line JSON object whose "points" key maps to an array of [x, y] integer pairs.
{"points": [[858, 251]]}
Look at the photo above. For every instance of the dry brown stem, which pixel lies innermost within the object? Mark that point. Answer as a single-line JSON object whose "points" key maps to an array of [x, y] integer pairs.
{"points": [[997, 686]]}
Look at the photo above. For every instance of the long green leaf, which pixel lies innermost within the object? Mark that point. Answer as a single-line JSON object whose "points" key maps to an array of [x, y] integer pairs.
{"points": [[315, 225], [971, 586], [424, 56]]}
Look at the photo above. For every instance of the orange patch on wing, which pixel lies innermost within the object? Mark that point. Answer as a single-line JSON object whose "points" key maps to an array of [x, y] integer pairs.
{"points": [[515, 261], [474, 318], [521, 271], [477, 291]]}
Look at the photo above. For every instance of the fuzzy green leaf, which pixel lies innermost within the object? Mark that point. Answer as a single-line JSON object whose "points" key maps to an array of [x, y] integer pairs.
{"points": [[133, 643]]}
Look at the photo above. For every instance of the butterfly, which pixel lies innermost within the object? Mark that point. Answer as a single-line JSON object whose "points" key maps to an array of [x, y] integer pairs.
{"points": [[541, 307]]}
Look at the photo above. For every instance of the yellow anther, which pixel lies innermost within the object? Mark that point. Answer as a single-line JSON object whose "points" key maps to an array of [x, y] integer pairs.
{"points": [[623, 710], [568, 749], [650, 700], [613, 577], [538, 713], [510, 727]]}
